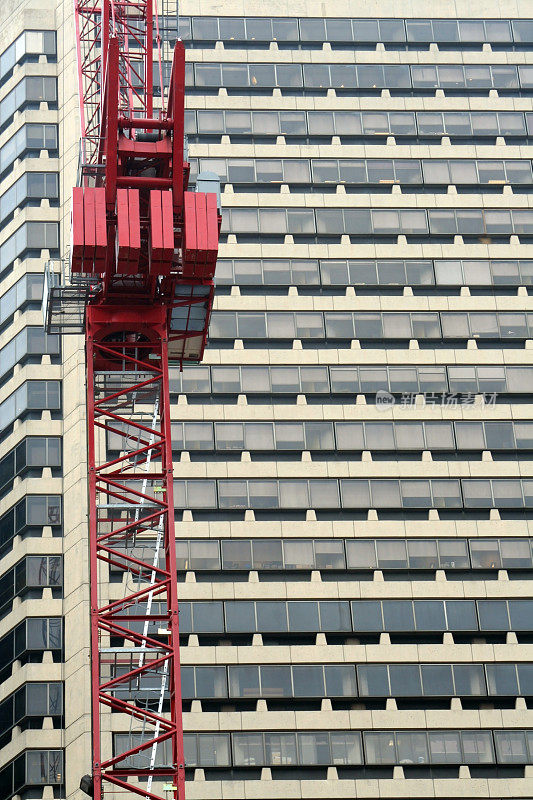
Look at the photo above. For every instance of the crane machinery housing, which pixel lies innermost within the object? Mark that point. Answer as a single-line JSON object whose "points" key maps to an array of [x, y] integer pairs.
{"points": [[140, 285]]}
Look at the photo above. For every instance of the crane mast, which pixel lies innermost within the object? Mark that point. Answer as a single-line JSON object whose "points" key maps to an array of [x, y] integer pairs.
{"points": [[142, 259]]}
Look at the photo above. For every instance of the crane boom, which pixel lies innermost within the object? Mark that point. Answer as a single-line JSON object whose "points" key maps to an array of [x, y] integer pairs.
{"points": [[141, 267]]}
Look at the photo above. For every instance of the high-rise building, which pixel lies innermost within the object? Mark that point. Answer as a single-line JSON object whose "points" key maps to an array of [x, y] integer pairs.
{"points": [[353, 459]]}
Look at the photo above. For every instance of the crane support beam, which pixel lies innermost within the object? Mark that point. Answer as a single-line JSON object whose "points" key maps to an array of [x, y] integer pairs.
{"points": [[130, 503]]}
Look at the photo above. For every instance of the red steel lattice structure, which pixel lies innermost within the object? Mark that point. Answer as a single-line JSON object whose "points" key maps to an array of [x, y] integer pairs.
{"points": [[144, 248]]}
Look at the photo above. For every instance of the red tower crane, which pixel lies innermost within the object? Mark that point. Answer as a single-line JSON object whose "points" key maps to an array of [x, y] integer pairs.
{"points": [[142, 260]]}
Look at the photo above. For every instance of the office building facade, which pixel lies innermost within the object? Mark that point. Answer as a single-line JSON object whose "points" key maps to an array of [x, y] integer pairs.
{"points": [[353, 477]]}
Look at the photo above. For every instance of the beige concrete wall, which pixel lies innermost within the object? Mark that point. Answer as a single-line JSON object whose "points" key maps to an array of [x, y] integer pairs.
{"points": [[48, 14]]}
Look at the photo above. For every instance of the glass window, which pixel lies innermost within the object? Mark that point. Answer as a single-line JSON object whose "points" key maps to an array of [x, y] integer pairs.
{"points": [[236, 554], [263, 494], [477, 493], [429, 615], [276, 681], [446, 30], [366, 30], [412, 748], [229, 435], [280, 749], [361, 554], [507, 78], [340, 680], [321, 123], [259, 436], [500, 435], [469, 222], [477, 747], [507, 494], [515, 553], [303, 615], [207, 617], [493, 615], [469, 679], [271, 616], [470, 435], [461, 615], [293, 123], [267, 554], [262, 75], [444, 747], [235, 121], [240, 616], [350, 435], [334, 615], [398, 615], [437, 680], [265, 123], [213, 750], [375, 123], [355, 494], [391, 553], [373, 680], [385, 494], [522, 30], [511, 747], [293, 494], [439, 435], [416, 494], [208, 75], [520, 612], [485, 553], [502, 680], [419, 30], [204, 555], [379, 748], [424, 78], [316, 76], [329, 554], [298, 554], [205, 28], [405, 680], [343, 76], [477, 77], [285, 29], [402, 123], [308, 681], [525, 676], [231, 28], [366, 615], [422, 553], [211, 682], [379, 436], [370, 76], [314, 748], [344, 381], [258, 29], [248, 749]]}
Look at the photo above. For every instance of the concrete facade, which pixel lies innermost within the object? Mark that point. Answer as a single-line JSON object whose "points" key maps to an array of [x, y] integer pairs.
{"points": [[325, 565]]}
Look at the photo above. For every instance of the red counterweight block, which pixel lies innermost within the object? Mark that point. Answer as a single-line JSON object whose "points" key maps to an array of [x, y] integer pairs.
{"points": [[89, 230], [161, 232], [200, 240], [128, 241]]}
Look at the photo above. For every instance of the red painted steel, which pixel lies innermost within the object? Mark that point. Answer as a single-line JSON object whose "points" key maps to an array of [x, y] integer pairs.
{"points": [[150, 247], [127, 365]]}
